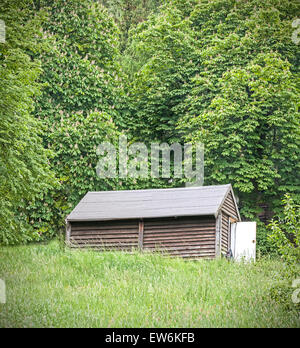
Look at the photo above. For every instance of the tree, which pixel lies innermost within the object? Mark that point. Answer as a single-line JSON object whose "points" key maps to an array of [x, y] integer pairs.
{"points": [[129, 13], [251, 131], [242, 103], [204, 68], [285, 231], [24, 169], [81, 95], [160, 63], [80, 68]]}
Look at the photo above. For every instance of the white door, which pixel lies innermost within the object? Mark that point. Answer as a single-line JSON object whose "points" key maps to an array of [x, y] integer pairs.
{"points": [[243, 241]]}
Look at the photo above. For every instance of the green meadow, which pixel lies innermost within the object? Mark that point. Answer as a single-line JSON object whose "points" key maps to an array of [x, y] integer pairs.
{"points": [[50, 287]]}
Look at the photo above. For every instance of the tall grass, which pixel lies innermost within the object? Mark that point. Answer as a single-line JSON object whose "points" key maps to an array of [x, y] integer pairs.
{"points": [[47, 287]]}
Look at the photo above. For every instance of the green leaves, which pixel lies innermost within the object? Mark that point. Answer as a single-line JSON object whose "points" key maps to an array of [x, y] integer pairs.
{"points": [[285, 232], [74, 142], [82, 92], [161, 50], [242, 103], [221, 72], [24, 169]]}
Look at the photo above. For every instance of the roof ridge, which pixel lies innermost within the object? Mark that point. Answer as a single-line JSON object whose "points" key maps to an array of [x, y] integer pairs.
{"points": [[163, 189]]}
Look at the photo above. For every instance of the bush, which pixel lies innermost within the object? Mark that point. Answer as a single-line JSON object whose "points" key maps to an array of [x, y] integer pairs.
{"points": [[264, 245], [285, 231]]}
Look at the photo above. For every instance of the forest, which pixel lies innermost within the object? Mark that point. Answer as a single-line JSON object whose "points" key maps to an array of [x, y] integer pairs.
{"points": [[76, 73], [220, 74]]}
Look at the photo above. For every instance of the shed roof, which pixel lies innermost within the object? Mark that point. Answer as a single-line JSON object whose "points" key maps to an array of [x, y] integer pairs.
{"points": [[151, 203]]}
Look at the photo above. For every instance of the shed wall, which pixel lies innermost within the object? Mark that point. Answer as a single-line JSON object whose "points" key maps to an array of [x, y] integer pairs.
{"points": [[105, 235], [187, 237], [225, 235], [228, 211], [229, 207]]}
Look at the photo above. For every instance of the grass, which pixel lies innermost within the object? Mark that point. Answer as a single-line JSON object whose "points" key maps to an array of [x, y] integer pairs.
{"points": [[47, 287]]}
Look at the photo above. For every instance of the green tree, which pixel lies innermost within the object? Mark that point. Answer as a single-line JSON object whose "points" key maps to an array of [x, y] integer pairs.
{"points": [[285, 231], [24, 169], [206, 66], [129, 13], [242, 104], [160, 63], [251, 132], [76, 156], [81, 97], [80, 69]]}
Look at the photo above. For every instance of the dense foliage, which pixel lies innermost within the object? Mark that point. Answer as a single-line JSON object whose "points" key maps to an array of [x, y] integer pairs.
{"points": [[251, 132], [160, 52], [285, 231], [243, 103], [82, 89], [129, 13], [24, 169], [221, 72]]}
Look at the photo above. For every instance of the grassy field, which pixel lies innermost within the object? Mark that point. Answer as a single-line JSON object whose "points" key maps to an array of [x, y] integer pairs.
{"points": [[47, 287]]}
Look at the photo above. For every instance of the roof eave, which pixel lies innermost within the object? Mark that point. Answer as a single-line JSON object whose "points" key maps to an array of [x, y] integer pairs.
{"points": [[68, 219]]}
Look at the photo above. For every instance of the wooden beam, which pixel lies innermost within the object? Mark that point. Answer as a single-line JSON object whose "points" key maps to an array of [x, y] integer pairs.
{"points": [[141, 234]]}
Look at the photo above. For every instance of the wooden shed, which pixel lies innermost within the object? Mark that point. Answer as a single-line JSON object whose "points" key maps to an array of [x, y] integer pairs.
{"points": [[187, 222]]}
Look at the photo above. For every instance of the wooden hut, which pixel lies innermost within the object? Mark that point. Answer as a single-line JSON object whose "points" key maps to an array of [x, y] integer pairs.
{"points": [[187, 222]]}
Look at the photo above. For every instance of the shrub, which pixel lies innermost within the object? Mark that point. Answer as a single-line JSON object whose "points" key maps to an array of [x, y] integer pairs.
{"points": [[285, 231]]}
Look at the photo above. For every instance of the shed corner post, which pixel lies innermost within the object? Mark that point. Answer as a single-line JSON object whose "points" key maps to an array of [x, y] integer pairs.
{"points": [[218, 235], [141, 234]]}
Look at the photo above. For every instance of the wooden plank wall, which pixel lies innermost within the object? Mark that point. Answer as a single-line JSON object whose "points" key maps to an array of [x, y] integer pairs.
{"points": [[110, 235], [229, 207], [225, 235], [187, 237], [228, 210]]}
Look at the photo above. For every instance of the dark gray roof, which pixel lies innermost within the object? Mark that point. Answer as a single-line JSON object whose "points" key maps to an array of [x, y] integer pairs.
{"points": [[152, 203]]}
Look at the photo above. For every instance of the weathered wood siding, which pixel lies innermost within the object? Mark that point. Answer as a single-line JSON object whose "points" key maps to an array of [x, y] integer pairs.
{"points": [[229, 206], [187, 237], [185, 222], [105, 235], [228, 211], [225, 235]]}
